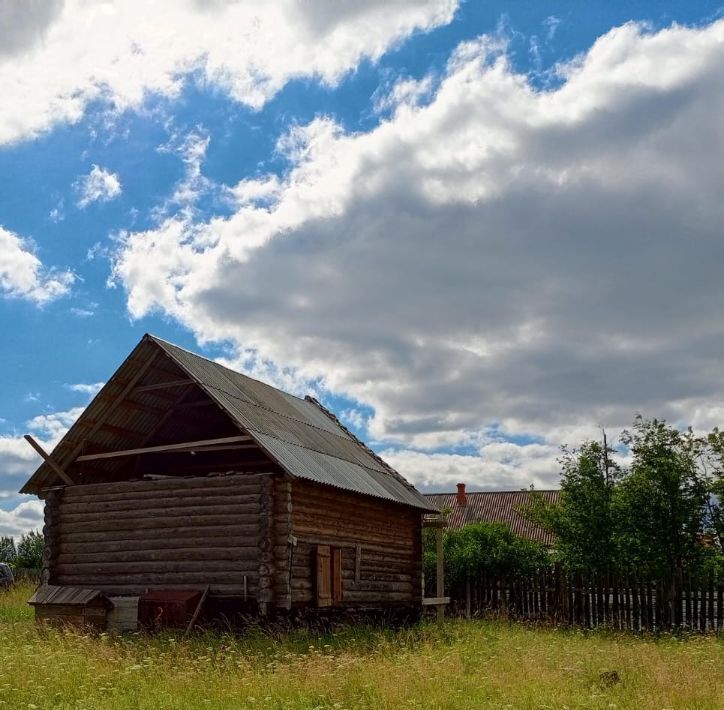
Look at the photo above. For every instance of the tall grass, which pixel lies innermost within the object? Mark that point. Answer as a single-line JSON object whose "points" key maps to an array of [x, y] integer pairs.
{"points": [[454, 665]]}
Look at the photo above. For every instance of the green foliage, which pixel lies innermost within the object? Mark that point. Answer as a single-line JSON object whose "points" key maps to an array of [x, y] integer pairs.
{"points": [[491, 547], [582, 522], [30, 551], [660, 505], [713, 465], [8, 553], [428, 553], [647, 518]]}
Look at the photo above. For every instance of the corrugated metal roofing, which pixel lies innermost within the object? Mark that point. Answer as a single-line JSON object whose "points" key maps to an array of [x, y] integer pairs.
{"points": [[495, 507], [304, 438], [324, 468], [298, 434], [245, 390]]}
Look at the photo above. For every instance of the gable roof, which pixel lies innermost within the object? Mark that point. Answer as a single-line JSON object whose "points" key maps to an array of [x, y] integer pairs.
{"points": [[304, 438], [496, 507]]}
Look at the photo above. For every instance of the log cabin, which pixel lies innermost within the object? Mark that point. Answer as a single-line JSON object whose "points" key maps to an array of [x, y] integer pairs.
{"points": [[182, 473]]}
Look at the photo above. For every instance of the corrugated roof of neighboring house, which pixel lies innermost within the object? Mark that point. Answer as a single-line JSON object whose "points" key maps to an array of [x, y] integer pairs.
{"points": [[305, 439], [495, 507]]}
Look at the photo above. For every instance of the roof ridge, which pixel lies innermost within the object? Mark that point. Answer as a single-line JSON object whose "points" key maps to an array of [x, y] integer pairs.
{"points": [[225, 367], [233, 395]]}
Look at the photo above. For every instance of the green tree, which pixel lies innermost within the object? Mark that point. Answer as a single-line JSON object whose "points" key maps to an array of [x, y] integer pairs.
{"points": [[30, 551], [659, 506], [582, 521], [8, 553], [713, 467]]}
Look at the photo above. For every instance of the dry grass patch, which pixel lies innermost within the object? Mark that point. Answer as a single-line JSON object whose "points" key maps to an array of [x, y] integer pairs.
{"points": [[457, 665]]}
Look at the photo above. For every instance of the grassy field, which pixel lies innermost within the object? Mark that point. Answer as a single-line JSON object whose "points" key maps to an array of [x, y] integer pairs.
{"points": [[456, 665]]}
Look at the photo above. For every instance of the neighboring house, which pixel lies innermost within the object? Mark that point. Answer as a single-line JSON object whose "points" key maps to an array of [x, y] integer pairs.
{"points": [[182, 473], [462, 508]]}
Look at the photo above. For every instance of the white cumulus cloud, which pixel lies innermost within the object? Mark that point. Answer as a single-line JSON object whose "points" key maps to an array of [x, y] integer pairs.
{"points": [[56, 56], [89, 389], [21, 519], [22, 274], [17, 463], [99, 185], [537, 262], [499, 465]]}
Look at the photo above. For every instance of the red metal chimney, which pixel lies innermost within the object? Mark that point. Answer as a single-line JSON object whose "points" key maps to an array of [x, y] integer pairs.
{"points": [[462, 497]]}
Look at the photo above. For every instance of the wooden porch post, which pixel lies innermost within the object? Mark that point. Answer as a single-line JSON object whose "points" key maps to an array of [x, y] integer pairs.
{"points": [[439, 600]]}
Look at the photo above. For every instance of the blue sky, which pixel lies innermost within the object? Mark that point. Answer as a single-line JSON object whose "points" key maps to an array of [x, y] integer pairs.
{"points": [[476, 230]]}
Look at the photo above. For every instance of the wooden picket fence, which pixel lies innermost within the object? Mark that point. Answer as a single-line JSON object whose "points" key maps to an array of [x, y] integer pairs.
{"points": [[593, 601]]}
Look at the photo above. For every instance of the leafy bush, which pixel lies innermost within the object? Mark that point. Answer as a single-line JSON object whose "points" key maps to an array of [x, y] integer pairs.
{"points": [[483, 547]]}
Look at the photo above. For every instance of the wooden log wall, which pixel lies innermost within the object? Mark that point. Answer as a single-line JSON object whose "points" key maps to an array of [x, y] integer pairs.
{"points": [[283, 542], [50, 533], [265, 581], [123, 538], [381, 546]]}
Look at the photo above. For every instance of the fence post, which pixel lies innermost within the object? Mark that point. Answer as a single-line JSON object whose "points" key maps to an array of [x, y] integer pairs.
{"points": [[644, 606], [439, 573], [636, 610], [702, 604]]}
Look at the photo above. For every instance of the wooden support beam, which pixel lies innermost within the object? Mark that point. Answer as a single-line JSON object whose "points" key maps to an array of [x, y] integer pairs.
{"points": [[240, 466], [435, 601], [163, 385], [145, 408], [186, 446], [222, 447], [198, 610], [48, 460], [170, 411], [111, 408], [121, 431], [434, 522]]}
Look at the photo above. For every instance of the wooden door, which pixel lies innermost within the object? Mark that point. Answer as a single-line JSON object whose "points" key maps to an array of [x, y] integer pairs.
{"points": [[324, 576]]}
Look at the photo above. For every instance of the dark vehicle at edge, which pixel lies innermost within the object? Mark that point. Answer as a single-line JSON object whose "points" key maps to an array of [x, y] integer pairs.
{"points": [[6, 576]]}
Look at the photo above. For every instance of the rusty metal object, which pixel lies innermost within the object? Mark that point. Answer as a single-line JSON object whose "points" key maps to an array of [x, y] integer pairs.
{"points": [[168, 608]]}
